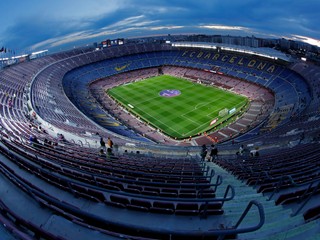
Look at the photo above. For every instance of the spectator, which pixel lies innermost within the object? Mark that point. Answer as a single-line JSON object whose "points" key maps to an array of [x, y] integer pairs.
{"points": [[34, 115], [204, 152], [110, 143], [61, 138], [254, 152], [109, 153], [213, 153], [56, 146], [10, 103], [33, 128], [102, 154], [41, 130], [241, 150], [46, 143], [102, 144], [34, 141], [31, 139]]}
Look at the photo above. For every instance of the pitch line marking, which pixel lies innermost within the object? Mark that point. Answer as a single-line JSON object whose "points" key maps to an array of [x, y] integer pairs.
{"points": [[156, 120]]}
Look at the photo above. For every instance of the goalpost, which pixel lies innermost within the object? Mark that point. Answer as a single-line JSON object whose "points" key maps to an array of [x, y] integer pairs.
{"points": [[223, 112]]}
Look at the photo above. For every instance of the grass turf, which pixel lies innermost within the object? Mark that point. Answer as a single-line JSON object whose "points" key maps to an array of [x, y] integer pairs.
{"points": [[182, 116]]}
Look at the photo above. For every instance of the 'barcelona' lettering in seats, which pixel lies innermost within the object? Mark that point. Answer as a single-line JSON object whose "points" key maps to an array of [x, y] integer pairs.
{"points": [[233, 59]]}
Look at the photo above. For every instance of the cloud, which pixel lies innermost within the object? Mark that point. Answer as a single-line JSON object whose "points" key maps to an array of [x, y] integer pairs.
{"points": [[62, 22], [135, 21], [52, 42], [126, 25], [305, 39], [47, 20], [221, 27], [156, 28]]}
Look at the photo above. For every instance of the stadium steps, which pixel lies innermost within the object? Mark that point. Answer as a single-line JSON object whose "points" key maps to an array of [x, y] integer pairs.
{"points": [[278, 222], [255, 110], [232, 129], [240, 124], [307, 231], [222, 134], [4, 234]]}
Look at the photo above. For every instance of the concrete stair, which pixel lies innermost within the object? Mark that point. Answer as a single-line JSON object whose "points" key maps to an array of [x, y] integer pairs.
{"points": [[278, 222], [310, 231], [4, 234]]}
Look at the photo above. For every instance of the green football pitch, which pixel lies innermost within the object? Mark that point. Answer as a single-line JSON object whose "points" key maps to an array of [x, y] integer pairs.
{"points": [[177, 107]]}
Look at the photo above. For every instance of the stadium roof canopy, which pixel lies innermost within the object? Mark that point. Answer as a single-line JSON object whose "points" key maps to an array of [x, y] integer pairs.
{"points": [[263, 52]]}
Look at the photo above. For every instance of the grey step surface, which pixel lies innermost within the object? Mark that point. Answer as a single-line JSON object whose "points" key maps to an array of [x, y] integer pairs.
{"points": [[307, 231], [5, 234], [278, 222]]}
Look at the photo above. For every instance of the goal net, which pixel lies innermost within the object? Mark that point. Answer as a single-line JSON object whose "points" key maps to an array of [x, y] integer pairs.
{"points": [[223, 112]]}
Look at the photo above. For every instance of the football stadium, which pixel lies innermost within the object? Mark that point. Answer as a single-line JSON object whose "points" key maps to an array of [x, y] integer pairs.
{"points": [[115, 141]]}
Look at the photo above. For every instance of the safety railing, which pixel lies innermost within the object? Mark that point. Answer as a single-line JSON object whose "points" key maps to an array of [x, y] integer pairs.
{"points": [[307, 195]]}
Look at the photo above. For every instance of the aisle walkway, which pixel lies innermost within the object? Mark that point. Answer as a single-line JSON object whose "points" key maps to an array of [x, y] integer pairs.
{"points": [[278, 222]]}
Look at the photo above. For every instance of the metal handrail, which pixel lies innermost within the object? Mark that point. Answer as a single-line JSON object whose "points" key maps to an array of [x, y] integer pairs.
{"points": [[229, 188], [292, 181], [307, 199], [260, 174], [279, 184], [244, 214], [218, 182], [308, 190], [212, 173], [234, 229]]}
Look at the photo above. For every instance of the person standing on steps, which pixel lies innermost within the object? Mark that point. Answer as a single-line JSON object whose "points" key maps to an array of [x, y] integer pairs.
{"points": [[213, 153]]}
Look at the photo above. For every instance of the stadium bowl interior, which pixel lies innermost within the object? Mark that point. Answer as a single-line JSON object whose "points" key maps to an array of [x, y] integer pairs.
{"points": [[56, 184]]}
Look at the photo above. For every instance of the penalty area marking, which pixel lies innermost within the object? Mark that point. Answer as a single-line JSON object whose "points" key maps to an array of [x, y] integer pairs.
{"points": [[200, 105]]}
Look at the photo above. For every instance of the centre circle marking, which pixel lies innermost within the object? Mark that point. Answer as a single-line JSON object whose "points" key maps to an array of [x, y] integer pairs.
{"points": [[170, 93]]}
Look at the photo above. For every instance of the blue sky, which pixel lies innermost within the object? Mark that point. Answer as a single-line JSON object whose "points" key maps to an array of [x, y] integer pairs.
{"points": [[29, 25]]}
